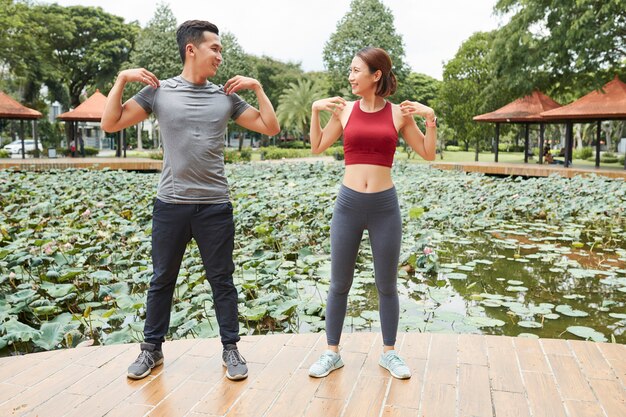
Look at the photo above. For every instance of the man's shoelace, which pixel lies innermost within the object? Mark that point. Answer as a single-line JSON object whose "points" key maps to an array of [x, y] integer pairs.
{"points": [[145, 357], [233, 357]]}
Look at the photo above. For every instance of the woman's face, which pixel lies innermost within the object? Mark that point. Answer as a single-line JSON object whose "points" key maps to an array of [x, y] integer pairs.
{"points": [[360, 78]]}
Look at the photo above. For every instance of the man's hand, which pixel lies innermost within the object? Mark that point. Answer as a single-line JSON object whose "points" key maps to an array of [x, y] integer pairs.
{"points": [[239, 82], [141, 75]]}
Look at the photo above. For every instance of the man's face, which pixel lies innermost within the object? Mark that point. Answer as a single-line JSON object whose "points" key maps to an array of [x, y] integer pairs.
{"points": [[208, 55]]}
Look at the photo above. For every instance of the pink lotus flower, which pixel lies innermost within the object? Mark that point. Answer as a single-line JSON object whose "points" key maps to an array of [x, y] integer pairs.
{"points": [[86, 213], [428, 251]]}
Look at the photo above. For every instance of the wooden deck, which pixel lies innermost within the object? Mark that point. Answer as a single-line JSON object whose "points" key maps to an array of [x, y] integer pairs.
{"points": [[453, 375], [527, 170], [46, 164]]}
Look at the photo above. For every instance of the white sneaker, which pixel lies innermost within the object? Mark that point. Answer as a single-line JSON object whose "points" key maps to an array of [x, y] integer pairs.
{"points": [[395, 365], [328, 362]]}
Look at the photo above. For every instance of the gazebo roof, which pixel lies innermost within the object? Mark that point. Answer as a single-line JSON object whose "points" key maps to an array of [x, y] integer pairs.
{"points": [[89, 110], [525, 109], [610, 103], [11, 109]]}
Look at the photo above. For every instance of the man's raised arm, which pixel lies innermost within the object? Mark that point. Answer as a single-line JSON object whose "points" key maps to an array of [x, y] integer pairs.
{"points": [[118, 116]]}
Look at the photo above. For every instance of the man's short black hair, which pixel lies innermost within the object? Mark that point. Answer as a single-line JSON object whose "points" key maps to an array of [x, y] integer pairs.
{"points": [[192, 31]]}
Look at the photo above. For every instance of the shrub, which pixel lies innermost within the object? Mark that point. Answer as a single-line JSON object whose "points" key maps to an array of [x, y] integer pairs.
{"points": [[583, 153], [336, 152], [294, 144], [4, 154], [234, 156], [272, 152], [65, 152], [452, 148], [620, 160], [156, 155]]}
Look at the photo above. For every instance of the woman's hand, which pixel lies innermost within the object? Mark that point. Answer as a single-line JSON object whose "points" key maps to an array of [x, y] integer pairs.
{"points": [[335, 105], [141, 75], [409, 108]]}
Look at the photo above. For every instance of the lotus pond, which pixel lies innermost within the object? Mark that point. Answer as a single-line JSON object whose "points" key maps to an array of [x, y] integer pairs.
{"points": [[541, 257]]}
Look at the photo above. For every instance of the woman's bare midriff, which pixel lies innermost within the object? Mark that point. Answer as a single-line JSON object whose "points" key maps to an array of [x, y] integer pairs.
{"points": [[367, 178]]}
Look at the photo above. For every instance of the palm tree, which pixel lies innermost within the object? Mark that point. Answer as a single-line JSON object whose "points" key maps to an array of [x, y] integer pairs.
{"points": [[294, 106]]}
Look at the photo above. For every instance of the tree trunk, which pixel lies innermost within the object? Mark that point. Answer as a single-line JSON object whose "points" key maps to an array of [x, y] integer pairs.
{"points": [[139, 142], [578, 136]]}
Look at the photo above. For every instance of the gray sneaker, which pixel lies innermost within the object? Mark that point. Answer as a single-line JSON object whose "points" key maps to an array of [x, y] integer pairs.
{"points": [[395, 365], [147, 359], [328, 362], [235, 364]]}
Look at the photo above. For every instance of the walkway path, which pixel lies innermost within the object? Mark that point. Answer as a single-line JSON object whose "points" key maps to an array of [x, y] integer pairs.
{"points": [[454, 375]]}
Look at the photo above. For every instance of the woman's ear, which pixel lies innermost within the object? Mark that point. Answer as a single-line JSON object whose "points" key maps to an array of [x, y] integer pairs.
{"points": [[377, 75]]}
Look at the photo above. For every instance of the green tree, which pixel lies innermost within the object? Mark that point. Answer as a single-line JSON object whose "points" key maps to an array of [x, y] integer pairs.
{"points": [[156, 48], [561, 47], [274, 75], [368, 23], [88, 51], [463, 94], [419, 87], [294, 109]]}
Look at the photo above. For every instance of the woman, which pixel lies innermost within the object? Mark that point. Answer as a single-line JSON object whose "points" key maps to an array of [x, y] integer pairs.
{"points": [[367, 198]]}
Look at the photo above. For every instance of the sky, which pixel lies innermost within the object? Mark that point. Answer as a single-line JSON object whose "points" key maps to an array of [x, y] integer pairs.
{"points": [[296, 31]]}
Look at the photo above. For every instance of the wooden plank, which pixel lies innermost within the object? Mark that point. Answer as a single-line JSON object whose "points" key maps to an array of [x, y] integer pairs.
{"points": [[58, 405], [615, 355], [438, 400], [371, 366], [307, 340], [367, 398], [327, 407], [226, 392], [253, 403], [611, 395], [129, 410], [543, 396], [584, 409], [18, 364], [407, 393], [43, 390], [503, 368], [339, 384], [297, 394], [357, 342], [8, 391], [510, 404], [442, 361], [472, 350], [570, 379], [530, 355], [208, 348], [415, 345], [591, 360], [392, 411], [181, 400], [48, 367], [280, 369], [474, 391], [102, 355], [267, 347], [555, 347]]}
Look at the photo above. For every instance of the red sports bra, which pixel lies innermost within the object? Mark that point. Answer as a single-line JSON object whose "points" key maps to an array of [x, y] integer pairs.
{"points": [[370, 138]]}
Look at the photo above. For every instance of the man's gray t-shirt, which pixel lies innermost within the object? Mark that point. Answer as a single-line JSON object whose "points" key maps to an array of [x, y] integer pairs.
{"points": [[192, 119]]}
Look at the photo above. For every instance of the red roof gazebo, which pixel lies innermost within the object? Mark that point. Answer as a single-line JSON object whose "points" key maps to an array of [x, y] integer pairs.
{"points": [[525, 110], [90, 110], [606, 104], [11, 109]]}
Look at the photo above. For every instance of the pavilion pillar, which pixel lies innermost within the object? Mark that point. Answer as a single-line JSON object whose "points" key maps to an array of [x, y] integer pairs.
{"points": [[22, 139], [35, 138], [542, 130], [569, 130], [497, 141], [526, 141], [598, 133]]}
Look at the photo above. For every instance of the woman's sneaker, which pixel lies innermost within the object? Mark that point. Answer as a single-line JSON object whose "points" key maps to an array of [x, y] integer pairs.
{"points": [[147, 359], [395, 365], [328, 362], [236, 367]]}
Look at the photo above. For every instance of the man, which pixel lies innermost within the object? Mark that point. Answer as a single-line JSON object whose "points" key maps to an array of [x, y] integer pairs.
{"points": [[192, 198]]}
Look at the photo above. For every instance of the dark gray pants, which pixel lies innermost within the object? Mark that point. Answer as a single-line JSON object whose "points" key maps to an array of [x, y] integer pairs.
{"points": [[355, 212], [213, 229]]}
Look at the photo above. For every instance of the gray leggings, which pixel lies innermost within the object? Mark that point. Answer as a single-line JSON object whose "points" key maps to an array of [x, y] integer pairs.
{"points": [[354, 212]]}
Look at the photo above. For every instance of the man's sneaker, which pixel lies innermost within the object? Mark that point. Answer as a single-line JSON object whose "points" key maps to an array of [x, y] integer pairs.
{"points": [[147, 359], [328, 362], [395, 365], [235, 364]]}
